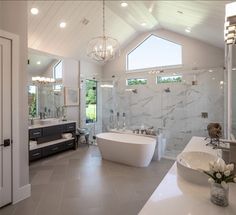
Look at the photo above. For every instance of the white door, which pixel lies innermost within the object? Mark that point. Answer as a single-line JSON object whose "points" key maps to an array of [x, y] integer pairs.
{"points": [[5, 122]]}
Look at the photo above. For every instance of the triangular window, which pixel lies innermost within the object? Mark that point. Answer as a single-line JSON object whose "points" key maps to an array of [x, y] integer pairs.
{"points": [[154, 52]]}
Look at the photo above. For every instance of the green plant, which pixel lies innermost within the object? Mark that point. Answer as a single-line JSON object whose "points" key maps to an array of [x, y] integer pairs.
{"points": [[33, 106], [91, 101], [169, 79], [136, 81]]}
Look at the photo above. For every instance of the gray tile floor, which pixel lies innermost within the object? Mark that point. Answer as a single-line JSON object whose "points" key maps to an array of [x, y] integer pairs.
{"points": [[81, 183]]}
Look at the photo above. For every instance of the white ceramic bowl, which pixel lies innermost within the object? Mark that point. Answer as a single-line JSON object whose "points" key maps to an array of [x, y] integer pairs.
{"points": [[189, 165]]}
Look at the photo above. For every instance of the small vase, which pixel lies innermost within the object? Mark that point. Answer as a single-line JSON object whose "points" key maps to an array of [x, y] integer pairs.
{"points": [[219, 195]]}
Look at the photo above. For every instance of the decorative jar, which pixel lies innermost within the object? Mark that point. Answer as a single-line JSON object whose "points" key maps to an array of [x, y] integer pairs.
{"points": [[219, 194]]}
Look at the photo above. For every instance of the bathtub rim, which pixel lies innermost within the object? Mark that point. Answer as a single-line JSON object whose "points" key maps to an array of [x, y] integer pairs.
{"points": [[151, 140]]}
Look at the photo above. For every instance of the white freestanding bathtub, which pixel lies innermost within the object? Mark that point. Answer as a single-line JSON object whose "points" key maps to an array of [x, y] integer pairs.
{"points": [[128, 149]]}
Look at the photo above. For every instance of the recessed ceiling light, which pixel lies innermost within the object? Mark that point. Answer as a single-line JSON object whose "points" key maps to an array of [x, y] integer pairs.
{"points": [[38, 62], [221, 82], [62, 25], [144, 24], [124, 4], [210, 70], [34, 11], [188, 30]]}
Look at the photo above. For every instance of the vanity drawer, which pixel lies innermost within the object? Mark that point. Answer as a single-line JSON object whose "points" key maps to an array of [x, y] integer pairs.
{"points": [[34, 133], [53, 149], [52, 130], [69, 127], [69, 144], [35, 154]]}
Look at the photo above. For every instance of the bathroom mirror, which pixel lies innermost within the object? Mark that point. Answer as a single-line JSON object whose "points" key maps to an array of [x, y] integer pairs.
{"points": [[45, 90]]}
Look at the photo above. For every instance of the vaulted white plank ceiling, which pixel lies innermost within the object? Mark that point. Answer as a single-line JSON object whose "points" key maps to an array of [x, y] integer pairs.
{"points": [[204, 18], [39, 63]]}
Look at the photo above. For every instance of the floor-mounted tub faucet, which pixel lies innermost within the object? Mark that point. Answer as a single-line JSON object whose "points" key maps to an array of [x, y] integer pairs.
{"points": [[123, 123], [118, 120]]}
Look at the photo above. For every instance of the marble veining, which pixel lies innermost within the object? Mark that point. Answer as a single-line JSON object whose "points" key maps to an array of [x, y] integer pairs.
{"points": [[177, 113]]}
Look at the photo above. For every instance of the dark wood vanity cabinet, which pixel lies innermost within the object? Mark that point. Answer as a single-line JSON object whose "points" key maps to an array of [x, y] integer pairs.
{"points": [[49, 140], [35, 154], [69, 127], [34, 133]]}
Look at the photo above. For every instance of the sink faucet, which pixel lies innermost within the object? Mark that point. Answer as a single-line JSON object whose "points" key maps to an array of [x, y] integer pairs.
{"points": [[42, 115], [228, 154]]}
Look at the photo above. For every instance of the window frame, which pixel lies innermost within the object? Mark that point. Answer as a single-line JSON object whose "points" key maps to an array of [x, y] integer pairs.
{"points": [[157, 67], [37, 99], [174, 82], [54, 76], [96, 119], [127, 80]]}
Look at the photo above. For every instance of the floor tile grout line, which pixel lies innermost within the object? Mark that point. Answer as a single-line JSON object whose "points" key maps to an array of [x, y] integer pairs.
{"points": [[63, 189], [107, 172]]}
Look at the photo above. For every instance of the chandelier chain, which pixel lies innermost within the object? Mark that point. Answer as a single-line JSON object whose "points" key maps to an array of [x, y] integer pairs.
{"points": [[103, 48], [103, 15]]}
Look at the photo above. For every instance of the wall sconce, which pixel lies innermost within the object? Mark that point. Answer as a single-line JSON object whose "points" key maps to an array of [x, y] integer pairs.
{"points": [[230, 23], [42, 80]]}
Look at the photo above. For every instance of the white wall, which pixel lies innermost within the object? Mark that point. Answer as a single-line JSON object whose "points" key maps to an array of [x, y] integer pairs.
{"points": [[13, 16], [196, 54], [71, 80], [90, 71]]}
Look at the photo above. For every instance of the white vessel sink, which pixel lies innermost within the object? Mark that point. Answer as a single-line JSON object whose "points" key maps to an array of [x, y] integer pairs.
{"points": [[46, 121], [189, 164]]}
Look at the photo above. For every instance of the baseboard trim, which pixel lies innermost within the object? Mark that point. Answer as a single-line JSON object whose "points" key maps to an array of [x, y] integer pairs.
{"points": [[22, 193]]}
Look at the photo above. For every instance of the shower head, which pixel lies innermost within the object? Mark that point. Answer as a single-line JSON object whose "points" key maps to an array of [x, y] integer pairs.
{"points": [[132, 90], [167, 90]]}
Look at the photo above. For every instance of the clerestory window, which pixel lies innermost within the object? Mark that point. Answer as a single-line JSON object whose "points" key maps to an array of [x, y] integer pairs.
{"points": [[154, 52]]}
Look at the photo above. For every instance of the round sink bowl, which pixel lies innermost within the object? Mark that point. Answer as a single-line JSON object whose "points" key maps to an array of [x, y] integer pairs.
{"points": [[46, 121], [49, 121], [189, 165]]}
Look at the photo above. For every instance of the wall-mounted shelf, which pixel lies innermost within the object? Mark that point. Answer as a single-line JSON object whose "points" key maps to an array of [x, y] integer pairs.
{"points": [[42, 145]]}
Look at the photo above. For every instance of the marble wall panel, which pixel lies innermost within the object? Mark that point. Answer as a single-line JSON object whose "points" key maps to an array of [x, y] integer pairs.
{"points": [[176, 113]]}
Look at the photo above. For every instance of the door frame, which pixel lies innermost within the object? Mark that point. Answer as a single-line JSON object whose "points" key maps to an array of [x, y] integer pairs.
{"points": [[18, 192]]}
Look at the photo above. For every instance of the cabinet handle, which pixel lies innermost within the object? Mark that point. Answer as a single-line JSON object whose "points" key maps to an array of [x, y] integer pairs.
{"points": [[36, 154], [37, 133], [54, 149], [70, 127], [69, 144]]}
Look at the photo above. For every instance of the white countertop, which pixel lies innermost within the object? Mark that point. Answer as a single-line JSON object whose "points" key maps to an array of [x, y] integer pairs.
{"points": [[176, 196], [51, 124]]}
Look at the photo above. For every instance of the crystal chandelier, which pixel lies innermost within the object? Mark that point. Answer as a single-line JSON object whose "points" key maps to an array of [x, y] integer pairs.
{"points": [[103, 48]]}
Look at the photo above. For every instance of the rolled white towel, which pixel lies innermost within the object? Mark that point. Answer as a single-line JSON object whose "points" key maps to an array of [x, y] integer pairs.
{"points": [[67, 135], [33, 143]]}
